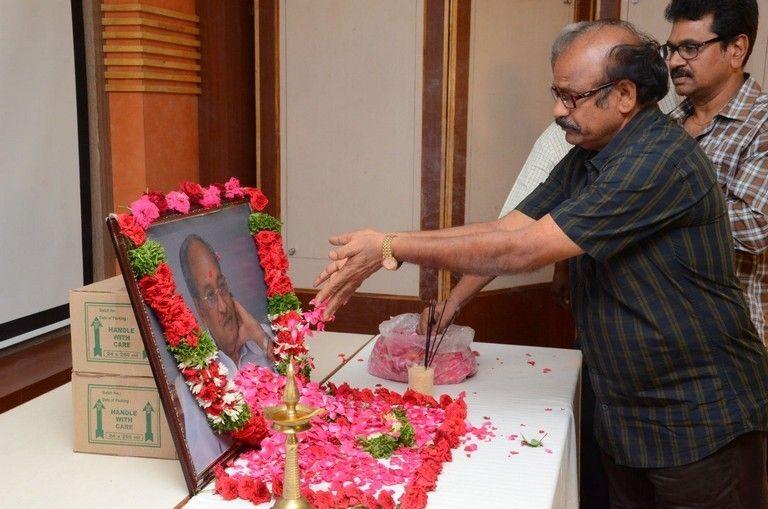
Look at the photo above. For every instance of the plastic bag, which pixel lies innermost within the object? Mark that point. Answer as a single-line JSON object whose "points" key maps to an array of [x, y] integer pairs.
{"points": [[399, 347]]}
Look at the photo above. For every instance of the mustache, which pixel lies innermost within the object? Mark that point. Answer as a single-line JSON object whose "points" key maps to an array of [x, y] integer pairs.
{"points": [[567, 123], [680, 72]]}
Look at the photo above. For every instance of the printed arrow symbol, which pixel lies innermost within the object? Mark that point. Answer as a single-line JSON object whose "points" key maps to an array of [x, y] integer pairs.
{"points": [[148, 436], [96, 324], [99, 406]]}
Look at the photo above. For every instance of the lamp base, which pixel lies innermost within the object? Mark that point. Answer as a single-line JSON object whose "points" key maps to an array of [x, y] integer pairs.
{"points": [[298, 503]]}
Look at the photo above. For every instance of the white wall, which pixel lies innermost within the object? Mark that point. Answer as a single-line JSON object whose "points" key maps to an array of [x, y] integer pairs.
{"points": [[509, 101], [350, 127], [40, 229]]}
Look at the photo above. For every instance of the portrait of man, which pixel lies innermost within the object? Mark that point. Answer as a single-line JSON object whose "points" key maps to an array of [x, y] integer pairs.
{"points": [[216, 269], [240, 337]]}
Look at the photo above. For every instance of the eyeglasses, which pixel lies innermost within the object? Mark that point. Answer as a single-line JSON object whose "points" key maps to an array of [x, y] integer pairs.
{"points": [[211, 297], [569, 100], [687, 51]]}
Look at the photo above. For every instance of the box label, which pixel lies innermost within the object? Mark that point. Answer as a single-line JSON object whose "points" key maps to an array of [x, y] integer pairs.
{"points": [[111, 334], [124, 415]]}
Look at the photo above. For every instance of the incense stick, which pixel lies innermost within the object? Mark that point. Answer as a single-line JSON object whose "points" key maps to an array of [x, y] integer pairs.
{"points": [[430, 320], [436, 345]]}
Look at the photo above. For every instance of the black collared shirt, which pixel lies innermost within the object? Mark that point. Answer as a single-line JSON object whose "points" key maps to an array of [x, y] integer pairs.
{"points": [[675, 361]]}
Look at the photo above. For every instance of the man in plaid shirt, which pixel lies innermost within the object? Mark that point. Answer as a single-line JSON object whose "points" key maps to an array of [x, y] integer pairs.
{"points": [[680, 375], [727, 113]]}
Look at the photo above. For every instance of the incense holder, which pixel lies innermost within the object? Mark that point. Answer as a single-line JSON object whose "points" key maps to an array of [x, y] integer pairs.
{"points": [[421, 379]]}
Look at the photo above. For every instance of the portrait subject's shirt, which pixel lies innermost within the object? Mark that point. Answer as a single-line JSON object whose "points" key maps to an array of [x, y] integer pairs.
{"points": [[676, 364], [250, 353], [736, 141]]}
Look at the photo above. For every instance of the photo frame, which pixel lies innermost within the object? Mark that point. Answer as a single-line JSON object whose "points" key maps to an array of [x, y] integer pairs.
{"points": [[216, 270]]}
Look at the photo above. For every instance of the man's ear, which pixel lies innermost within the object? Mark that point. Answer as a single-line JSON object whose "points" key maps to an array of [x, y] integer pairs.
{"points": [[737, 49], [627, 93]]}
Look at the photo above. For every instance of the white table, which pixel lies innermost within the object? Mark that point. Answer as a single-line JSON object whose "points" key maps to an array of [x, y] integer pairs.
{"points": [[511, 392], [39, 470]]}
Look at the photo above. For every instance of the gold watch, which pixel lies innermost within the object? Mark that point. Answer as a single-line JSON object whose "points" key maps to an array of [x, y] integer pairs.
{"points": [[387, 260]]}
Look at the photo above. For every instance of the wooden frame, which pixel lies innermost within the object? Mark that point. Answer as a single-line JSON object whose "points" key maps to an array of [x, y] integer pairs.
{"points": [[182, 412]]}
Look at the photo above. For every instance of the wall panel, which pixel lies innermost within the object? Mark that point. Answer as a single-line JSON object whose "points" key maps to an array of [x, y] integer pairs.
{"points": [[509, 100], [350, 77]]}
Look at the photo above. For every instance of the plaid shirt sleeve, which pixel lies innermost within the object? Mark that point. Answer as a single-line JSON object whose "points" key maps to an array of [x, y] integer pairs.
{"points": [[550, 193], [747, 197], [634, 197]]}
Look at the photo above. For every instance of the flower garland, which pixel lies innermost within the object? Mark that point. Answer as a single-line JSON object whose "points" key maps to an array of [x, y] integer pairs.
{"points": [[192, 346], [337, 472]]}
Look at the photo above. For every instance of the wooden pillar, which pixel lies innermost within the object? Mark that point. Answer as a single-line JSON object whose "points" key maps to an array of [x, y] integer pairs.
{"points": [[152, 73]]}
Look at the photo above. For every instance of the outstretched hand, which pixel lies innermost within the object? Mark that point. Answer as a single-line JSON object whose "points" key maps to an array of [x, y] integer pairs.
{"points": [[357, 258]]}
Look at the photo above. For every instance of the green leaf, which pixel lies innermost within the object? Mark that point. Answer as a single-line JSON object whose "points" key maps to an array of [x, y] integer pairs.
{"points": [[282, 303], [379, 447], [195, 356], [259, 221], [145, 258], [407, 435]]}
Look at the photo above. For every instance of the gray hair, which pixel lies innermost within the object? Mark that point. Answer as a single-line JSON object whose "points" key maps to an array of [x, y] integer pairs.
{"points": [[575, 30]]}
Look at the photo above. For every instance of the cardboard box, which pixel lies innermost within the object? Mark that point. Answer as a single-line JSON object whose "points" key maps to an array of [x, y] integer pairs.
{"points": [[105, 336], [121, 416]]}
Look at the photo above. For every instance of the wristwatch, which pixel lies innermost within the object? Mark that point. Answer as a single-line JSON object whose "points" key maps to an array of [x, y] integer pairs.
{"points": [[387, 260]]}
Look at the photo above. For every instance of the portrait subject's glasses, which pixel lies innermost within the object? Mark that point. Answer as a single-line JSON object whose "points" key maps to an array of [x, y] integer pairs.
{"points": [[687, 51], [569, 100], [211, 297]]}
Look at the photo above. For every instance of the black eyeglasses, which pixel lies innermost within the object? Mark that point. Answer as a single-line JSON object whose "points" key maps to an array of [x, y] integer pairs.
{"points": [[687, 51], [569, 100]]}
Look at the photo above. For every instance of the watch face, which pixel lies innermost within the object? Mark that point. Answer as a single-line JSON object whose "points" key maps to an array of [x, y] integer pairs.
{"points": [[389, 263]]}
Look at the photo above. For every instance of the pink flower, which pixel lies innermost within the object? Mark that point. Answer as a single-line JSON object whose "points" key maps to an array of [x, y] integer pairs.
{"points": [[211, 197], [232, 189], [144, 211], [178, 201]]}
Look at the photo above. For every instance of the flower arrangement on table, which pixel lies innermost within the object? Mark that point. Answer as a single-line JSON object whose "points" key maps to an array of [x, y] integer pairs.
{"points": [[192, 346], [372, 448]]}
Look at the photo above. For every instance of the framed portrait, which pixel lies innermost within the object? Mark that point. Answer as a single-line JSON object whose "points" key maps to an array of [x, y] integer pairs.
{"points": [[216, 269]]}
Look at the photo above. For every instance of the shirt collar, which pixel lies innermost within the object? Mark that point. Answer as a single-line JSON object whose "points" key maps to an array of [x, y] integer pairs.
{"points": [[640, 121], [738, 108]]}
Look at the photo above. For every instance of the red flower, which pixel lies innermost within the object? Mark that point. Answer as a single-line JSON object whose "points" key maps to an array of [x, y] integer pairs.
{"points": [[131, 229], [178, 322], [283, 320], [208, 392], [158, 199], [254, 490], [413, 498], [254, 430], [417, 398], [277, 486], [273, 259], [226, 487], [258, 200], [193, 190], [158, 287], [265, 239], [385, 500], [278, 283], [391, 397]]}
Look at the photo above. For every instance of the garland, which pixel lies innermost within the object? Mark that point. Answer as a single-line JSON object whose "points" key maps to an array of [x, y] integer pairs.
{"points": [[192, 346]]}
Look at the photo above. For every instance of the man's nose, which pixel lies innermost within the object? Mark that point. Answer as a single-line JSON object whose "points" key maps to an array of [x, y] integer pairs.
{"points": [[675, 60], [221, 306], [559, 109]]}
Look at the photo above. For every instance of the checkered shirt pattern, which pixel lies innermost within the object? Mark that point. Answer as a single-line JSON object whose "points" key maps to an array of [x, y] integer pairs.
{"points": [[736, 141]]}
